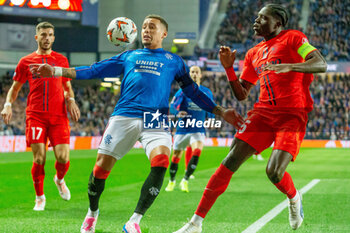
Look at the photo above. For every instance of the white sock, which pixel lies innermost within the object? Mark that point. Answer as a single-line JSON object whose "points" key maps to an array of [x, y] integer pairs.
{"points": [[295, 198], [41, 197], [196, 219], [136, 218], [92, 213]]}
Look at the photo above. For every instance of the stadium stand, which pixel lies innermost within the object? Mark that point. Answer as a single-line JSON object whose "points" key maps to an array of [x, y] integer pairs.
{"points": [[327, 27], [236, 28]]}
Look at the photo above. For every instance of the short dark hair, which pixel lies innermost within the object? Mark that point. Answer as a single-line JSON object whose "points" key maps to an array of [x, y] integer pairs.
{"points": [[160, 18], [278, 11], [44, 25]]}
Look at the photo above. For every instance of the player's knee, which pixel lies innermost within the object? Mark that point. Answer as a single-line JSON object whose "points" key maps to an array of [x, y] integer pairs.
{"points": [[274, 174], [160, 160], [233, 160], [63, 158], [39, 160], [177, 153], [62, 153]]}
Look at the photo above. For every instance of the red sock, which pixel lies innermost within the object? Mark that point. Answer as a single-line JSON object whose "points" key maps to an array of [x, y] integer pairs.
{"points": [[215, 187], [38, 175], [196, 152], [175, 160], [188, 155], [61, 169], [100, 173], [286, 186]]}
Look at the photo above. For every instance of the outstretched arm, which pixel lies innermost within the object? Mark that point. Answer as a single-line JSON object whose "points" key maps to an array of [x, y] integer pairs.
{"points": [[69, 73], [314, 63], [240, 88], [12, 94], [46, 70], [112, 67]]}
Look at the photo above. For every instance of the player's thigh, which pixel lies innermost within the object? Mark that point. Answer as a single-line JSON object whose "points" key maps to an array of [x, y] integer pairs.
{"points": [[197, 140], [290, 133], [181, 141], [36, 130], [257, 132], [156, 139], [120, 136], [59, 130]]}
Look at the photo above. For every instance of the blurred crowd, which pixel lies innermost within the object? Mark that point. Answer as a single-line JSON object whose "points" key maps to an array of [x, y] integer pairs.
{"points": [[236, 30], [96, 105], [330, 117], [328, 120], [17, 126], [327, 27]]}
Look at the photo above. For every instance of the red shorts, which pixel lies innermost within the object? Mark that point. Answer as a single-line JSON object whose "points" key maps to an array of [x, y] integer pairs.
{"points": [[40, 127], [264, 126]]}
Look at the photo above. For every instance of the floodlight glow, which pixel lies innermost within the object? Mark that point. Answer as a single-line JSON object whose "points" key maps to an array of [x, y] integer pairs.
{"points": [[181, 41]]}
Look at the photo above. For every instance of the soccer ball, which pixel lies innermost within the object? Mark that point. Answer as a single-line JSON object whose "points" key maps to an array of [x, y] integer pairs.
{"points": [[121, 31]]}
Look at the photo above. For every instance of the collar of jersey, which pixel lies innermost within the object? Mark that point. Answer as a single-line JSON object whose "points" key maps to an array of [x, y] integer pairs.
{"points": [[43, 55], [276, 37], [160, 50]]}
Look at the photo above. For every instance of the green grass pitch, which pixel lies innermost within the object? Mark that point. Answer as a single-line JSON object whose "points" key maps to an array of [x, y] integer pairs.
{"points": [[249, 196]]}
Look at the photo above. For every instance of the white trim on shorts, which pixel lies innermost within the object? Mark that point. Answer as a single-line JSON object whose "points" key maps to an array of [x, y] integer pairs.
{"points": [[122, 133], [181, 141]]}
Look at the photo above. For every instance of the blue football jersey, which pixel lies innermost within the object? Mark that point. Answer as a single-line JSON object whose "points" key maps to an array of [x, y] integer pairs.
{"points": [[147, 77], [181, 102]]}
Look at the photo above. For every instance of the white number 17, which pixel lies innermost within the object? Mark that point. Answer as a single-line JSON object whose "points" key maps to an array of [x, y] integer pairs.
{"points": [[39, 130]]}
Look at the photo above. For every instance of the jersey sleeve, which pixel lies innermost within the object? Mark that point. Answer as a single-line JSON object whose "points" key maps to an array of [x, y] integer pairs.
{"points": [[176, 102], [248, 72], [21, 72], [300, 43], [210, 94], [191, 89], [111, 67]]}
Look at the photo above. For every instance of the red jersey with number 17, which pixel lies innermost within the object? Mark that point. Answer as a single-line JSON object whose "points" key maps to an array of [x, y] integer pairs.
{"points": [[284, 91], [46, 95]]}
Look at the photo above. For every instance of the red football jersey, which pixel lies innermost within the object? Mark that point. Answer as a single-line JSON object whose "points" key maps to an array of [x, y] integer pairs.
{"points": [[46, 95], [284, 91]]}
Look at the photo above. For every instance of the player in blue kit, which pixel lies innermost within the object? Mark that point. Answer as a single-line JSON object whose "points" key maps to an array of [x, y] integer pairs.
{"points": [[189, 133], [145, 89]]}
